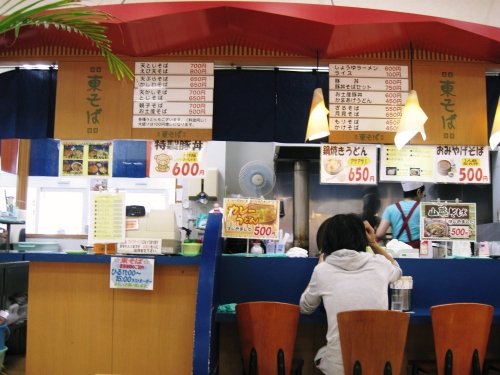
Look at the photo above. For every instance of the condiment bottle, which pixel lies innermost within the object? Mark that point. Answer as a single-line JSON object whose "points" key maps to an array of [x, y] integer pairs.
{"points": [[256, 248]]}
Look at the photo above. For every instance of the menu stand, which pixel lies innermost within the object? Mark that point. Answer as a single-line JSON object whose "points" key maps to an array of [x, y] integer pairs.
{"points": [[9, 221]]}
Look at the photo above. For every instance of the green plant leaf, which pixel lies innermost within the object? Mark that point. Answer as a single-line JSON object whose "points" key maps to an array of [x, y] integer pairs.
{"points": [[67, 16]]}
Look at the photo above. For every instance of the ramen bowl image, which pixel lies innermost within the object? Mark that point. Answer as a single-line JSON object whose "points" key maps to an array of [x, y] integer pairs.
{"points": [[263, 213], [332, 166], [444, 167]]}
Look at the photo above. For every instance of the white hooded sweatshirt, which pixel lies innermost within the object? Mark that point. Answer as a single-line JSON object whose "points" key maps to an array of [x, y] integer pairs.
{"points": [[347, 280]]}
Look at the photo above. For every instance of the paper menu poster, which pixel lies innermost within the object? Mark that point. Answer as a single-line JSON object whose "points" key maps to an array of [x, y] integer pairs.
{"points": [[462, 164], [411, 163], [107, 217], [447, 221], [85, 158], [176, 158], [348, 164]]}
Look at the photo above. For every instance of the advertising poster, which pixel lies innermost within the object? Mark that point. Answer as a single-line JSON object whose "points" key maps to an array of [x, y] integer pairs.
{"points": [[251, 218], [132, 273], [462, 164], [348, 164], [176, 158], [411, 163], [85, 158], [448, 221]]}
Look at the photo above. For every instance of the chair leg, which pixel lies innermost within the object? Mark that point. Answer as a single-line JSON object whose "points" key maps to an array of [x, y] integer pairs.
{"points": [[388, 368], [448, 363], [357, 368], [253, 362], [281, 362], [476, 366]]}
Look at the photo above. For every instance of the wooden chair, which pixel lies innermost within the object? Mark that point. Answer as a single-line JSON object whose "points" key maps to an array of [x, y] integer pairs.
{"points": [[373, 341], [461, 332], [267, 335]]}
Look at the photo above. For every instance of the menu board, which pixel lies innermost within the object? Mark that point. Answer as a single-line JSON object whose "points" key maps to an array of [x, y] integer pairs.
{"points": [[463, 164], [446, 164], [447, 221], [176, 158], [85, 158], [173, 95], [131, 273], [251, 218], [348, 164], [367, 98], [107, 217]]}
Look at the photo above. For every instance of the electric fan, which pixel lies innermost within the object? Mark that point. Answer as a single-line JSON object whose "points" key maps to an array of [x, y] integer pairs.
{"points": [[257, 178]]}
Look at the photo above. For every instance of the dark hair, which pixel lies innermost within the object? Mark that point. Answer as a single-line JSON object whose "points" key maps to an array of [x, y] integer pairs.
{"points": [[320, 234], [371, 206], [344, 231], [413, 193]]}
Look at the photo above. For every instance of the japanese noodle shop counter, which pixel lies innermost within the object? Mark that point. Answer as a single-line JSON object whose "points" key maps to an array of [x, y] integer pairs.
{"points": [[435, 281], [77, 324]]}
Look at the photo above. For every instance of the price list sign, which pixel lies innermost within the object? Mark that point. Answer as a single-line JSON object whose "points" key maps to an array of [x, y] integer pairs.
{"points": [[251, 218], [173, 95], [411, 163], [107, 216], [348, 164], [462, 164], [367, 100], [176, 158], [448, 221]]}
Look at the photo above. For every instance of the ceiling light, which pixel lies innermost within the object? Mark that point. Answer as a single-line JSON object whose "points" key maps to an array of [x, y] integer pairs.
{"points": [[317, 126], [413, 117]]}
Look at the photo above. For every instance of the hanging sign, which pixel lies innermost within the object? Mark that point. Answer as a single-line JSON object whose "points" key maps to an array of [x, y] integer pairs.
{"points": [[251, 218], [348, 164], [411, 163], [176, 158], [448, 221], [173, 95], [462, 164], [85, 158], [367, 100], [131, 273]]}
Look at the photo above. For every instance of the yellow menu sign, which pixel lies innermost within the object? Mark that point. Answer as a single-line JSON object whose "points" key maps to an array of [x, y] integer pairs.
{"points": [[251, 218]]}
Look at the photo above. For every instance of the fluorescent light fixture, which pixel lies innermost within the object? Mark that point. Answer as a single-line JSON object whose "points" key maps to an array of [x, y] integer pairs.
{"points": [[495, 130], [412, 121], [317, 127]]}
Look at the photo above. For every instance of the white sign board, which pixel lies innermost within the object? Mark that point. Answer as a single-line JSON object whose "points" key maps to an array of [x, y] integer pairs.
{"points": [[131, 273], [140, 246]]}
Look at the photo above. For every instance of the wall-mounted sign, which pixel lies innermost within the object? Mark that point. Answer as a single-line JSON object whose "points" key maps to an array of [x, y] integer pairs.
{"points": [[447, 164], [448, 221], [348, 164], [176, 158], [462, 164], [411, 163], [251, 218], [173, 95], [85, 158], [107, 217], [131, 273]]}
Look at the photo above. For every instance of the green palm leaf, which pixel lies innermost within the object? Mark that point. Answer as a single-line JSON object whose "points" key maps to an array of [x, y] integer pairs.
{"points": [[69, 17]]}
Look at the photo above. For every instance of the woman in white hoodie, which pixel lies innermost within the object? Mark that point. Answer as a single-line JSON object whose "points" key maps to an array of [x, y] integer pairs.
{"points": [[349, 278]]}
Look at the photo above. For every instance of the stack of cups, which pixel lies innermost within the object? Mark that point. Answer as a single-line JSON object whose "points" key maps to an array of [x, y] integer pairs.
{"points": [[401, 293]]}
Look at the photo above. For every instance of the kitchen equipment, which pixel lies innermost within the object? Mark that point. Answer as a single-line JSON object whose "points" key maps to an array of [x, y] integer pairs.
{"points": [[135, 211]]}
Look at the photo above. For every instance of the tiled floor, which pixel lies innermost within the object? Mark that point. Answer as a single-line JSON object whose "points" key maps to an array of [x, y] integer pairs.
{"points": [[14, 364]]}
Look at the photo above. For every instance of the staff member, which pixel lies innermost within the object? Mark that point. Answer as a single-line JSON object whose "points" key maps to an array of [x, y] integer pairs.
{"points": [[404, 216]]}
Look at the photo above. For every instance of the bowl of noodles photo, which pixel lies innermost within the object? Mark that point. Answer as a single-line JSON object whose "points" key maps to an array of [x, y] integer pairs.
{"points": [[436, 228], [332, 166]]}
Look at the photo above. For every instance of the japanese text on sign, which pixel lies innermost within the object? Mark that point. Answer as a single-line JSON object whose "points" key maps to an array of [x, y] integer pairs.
{"points": [[131, 273], [448, 221], [93, 98]]}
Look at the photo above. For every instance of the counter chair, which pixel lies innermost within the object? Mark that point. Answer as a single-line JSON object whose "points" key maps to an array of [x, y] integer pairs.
{"points": [[373, 341], [461, 332], [267, 333]]}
